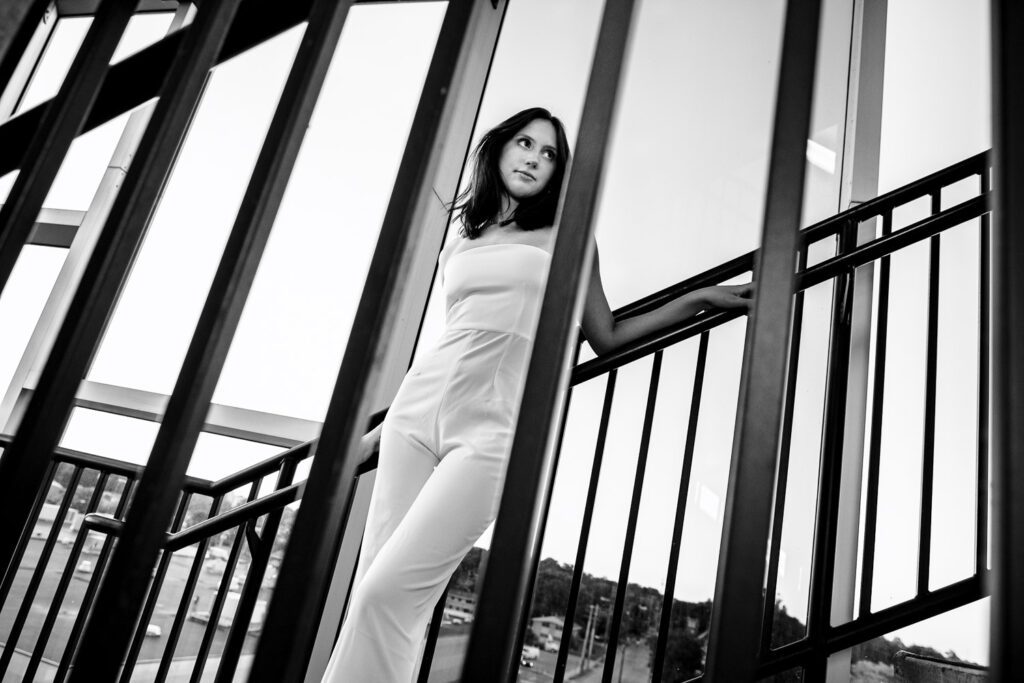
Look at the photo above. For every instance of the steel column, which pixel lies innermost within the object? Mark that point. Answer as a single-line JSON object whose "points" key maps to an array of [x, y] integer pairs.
{"points": [[50, 406], [739, 597], [1007, 352], [438, 139], [186, 410], [498, 629]]}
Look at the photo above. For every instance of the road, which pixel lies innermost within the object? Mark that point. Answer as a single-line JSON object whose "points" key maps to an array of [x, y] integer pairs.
{"points": [[163, 615], [451, 650]]}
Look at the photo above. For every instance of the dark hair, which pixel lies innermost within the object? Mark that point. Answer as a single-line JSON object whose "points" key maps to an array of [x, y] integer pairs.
{"points": [[480, 203]]}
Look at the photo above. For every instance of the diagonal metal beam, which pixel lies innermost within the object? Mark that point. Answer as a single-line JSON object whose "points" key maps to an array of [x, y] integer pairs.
{"points": [[497, 630], [18, 21], [23, 466], [739, 599], [61, 122], [143, 535], [138, 78], [437, 143]]}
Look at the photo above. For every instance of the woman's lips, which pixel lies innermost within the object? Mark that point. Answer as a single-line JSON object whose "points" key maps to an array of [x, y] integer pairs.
{"points": [[524, 173]]}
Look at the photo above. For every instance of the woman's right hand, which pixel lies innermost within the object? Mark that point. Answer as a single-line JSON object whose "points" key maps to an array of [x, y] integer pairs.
{"points": [[369, 445]]}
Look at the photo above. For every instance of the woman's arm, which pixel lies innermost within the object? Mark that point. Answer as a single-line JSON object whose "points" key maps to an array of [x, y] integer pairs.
{"points": [[605, 334], [369, 445]]}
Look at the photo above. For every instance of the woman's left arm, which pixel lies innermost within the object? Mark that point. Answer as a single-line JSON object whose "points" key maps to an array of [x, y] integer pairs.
{"points": [[605, 334]]}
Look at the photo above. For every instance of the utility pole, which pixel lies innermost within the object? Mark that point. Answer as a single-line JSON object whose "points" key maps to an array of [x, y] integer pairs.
{"points": [[586, 637]]}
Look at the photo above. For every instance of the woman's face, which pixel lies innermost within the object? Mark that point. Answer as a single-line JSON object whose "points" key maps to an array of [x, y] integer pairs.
{"points": [[529, 159]]}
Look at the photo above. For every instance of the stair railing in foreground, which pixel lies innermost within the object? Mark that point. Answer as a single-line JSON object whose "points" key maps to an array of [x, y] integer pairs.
{"points": [[118, 479], [821, 638]]}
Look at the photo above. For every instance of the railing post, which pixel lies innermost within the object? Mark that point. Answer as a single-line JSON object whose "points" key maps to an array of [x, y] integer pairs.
{"points": [[438, 140], [504, 598], [859, 184], [1007, 350], [739, 597]]}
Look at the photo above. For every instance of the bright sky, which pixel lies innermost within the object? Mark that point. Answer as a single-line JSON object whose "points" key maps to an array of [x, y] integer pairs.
{"points": [[683, 191]]}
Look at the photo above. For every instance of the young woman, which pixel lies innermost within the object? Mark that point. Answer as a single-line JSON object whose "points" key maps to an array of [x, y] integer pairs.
{"points": [[445, 440]]}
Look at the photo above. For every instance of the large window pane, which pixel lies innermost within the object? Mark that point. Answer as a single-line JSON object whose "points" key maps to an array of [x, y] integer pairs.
{"points": [[295, 326], [149, 331], [22, 301], [83, 167], [936, 101]]}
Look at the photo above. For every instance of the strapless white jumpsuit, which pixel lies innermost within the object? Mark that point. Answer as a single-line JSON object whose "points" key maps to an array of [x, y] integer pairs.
{"points": [[443, 455]]}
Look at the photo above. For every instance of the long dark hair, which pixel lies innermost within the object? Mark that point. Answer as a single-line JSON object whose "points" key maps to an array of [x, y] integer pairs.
{"points": [[480, 203]]}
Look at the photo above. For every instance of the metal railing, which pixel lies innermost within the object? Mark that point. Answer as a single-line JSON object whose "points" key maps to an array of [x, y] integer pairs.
{"points": [[821, 638], [174, 70], [241, 520]]}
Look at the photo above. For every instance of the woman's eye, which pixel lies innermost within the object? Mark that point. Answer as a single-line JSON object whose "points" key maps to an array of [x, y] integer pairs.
{"points": [[525, 142], [549, 155]]}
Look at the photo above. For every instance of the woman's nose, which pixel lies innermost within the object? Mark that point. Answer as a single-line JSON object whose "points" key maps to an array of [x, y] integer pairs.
{"points": [[532, 160]]}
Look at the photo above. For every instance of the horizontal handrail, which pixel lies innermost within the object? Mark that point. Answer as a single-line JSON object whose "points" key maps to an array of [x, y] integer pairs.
{"points": [[98, 521], [828, 227], [811, 276], [235, 517]]}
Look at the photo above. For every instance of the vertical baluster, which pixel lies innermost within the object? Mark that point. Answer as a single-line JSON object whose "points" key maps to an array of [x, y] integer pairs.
{"points": [[65, 580], [867, 571], [186, 597], [830, 470], [85, 609], [19, 552], [40, 571], [612, 640], [984, 325], [260, 547], [680, 516], [931, 372], [222, 591], [588, 516], [155, 585]]}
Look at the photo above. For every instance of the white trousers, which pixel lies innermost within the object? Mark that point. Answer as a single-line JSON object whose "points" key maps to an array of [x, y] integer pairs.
{"points": [[443, 455]]}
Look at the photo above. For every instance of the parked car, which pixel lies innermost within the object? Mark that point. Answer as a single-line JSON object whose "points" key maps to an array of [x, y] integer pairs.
{"points": [[154, 631], [530, 652], [551, 645], [84, 566]]}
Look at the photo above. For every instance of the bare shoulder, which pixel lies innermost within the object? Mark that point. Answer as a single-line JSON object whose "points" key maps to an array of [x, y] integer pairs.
{"points": [[450, 247]]}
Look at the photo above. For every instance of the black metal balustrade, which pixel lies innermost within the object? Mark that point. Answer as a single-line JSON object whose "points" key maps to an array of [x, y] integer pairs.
{"points": [[249, 534], [125, 585], [821, 639]]}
